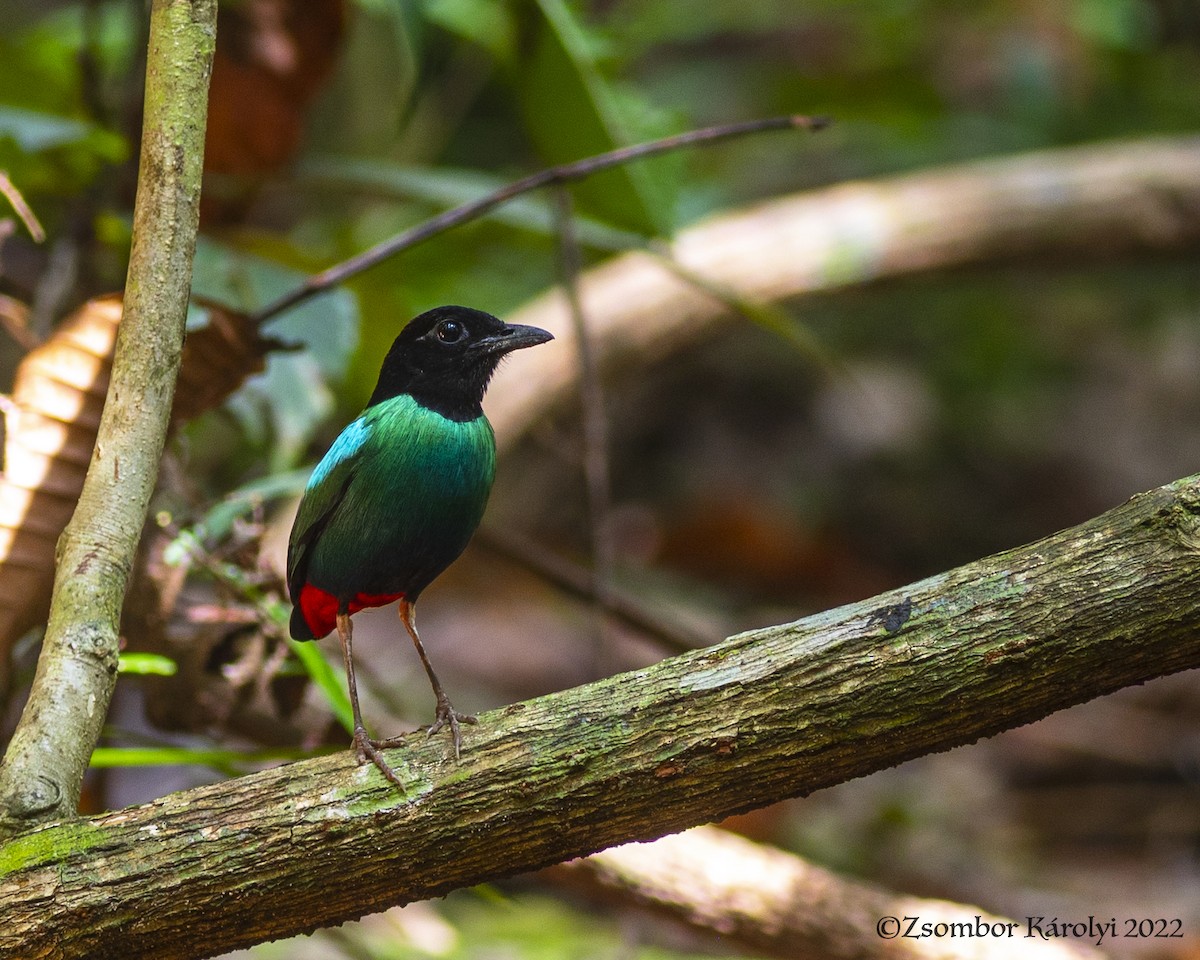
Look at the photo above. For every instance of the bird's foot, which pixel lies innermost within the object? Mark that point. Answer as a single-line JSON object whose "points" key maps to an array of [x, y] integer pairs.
{"points": [[367, 749], [447, 716], [391, 743]]}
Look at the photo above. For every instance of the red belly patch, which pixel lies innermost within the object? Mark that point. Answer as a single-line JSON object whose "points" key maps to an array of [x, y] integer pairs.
{"points": [[320, 607]]}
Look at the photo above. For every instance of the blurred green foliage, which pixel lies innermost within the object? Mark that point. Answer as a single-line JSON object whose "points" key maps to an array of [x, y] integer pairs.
{"points": [[55, 138], [435, 100]]}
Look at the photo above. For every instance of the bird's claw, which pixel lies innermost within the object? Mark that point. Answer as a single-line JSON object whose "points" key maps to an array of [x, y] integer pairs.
{"points": [[447, 716], [366, 749]]}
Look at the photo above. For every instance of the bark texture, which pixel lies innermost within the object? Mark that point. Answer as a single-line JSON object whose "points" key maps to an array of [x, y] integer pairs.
{"points": [[765, 715]]}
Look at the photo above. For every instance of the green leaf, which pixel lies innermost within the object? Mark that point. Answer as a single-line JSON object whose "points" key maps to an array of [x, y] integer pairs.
{"points": [[572, 112], [484, 22], [287, 403], [331, 682], [227, 761], [33, 130], [327, 325], [146, 664], [54, 154], [218, 522]]}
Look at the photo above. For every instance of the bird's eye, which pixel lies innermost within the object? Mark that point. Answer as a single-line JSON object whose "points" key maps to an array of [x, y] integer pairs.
{"points": [[450, 331]]}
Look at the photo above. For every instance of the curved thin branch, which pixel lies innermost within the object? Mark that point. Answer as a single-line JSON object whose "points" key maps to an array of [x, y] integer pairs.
{"points": [[562, 174], [768, 714], [576, 580]]}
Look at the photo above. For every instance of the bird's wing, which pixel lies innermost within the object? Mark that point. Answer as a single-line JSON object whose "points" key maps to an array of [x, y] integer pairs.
{"points": [[327, 487], [320, 502]]}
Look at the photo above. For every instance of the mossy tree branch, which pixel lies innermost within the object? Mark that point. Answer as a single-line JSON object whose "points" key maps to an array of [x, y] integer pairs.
{"points": [[768, 714], [43, 768]]}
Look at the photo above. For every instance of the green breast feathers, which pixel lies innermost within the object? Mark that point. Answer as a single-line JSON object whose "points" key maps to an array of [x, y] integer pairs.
{"points": [[392, 503]]}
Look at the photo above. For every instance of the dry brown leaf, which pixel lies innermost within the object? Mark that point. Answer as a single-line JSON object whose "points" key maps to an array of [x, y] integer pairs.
{"points": [[217, 359], [50, 431], [52, 419], [273, 57]]}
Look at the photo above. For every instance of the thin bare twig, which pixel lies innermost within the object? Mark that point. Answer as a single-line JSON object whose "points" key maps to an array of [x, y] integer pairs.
{"points": [[595, 425], [565, 173], [22, 209], [576, 580], [14, 320]]}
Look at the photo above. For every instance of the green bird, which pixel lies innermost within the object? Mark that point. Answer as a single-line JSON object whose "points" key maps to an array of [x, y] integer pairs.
{"points": [[397, 497]]}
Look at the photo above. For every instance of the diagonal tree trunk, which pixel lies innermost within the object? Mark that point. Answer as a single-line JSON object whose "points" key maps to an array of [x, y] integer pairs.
{"points": [[768, 714]]}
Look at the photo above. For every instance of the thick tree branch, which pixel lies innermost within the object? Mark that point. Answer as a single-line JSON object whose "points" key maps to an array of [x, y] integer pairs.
{"points": [[1089, 201], [43, 768], [774, 902], [768, 714]]}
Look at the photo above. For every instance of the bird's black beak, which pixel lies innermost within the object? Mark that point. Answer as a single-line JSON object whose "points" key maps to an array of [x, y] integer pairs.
{"points": [[514, 336]]}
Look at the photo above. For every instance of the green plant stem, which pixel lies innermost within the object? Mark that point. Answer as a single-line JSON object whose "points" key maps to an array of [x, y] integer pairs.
{"points": [[43, 769]]}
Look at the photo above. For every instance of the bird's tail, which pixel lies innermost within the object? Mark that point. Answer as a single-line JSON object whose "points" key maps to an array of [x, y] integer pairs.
{"points": [[298, 627]]}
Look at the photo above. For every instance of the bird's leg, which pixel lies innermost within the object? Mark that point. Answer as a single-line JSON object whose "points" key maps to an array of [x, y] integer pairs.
{"points": [[446, 714], [364, 747]]}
